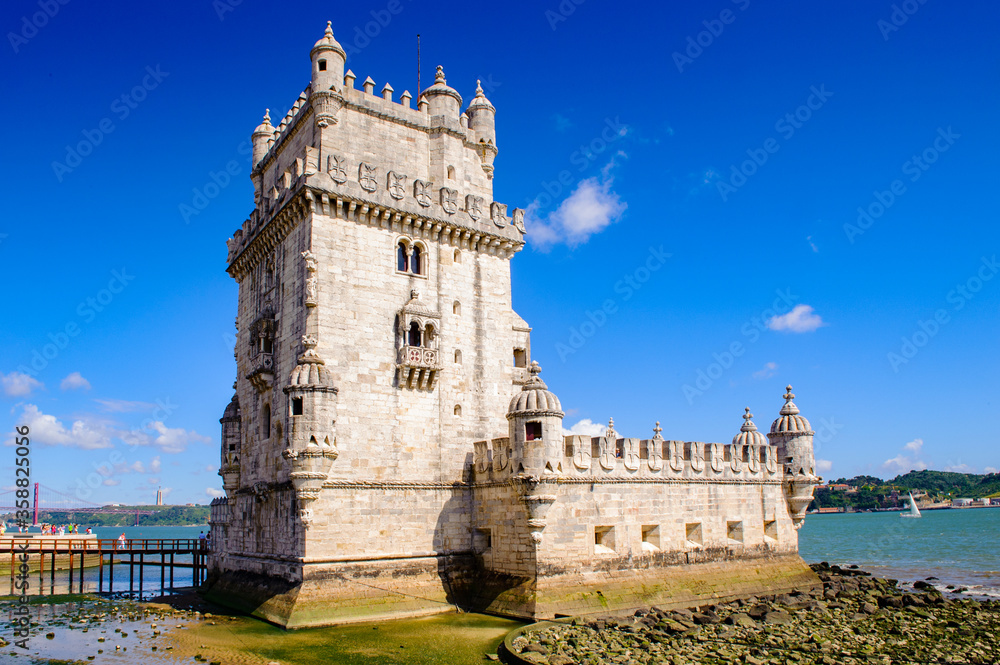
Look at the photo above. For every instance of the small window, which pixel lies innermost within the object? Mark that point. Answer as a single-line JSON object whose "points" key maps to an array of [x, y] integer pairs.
{"points": [[458, 409], [482, 540], [413, 339], [458, 357], [734, 531], [232, 447], [604, 540], [451, 172], [265, 417], [266, 345], [322, 65], [520, 358], [402, 257], [296, 406], [692, 532], [651, 538], [428, 336], [458, 256], [532, 431], [771, 529], [456, 308], [416, 262]]}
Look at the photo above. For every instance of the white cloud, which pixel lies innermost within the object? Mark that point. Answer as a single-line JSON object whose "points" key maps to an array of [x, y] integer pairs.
{"points": [[800, 320], [809, 239], [17, 384], [75, 381], [767, 371], [214, 493], [123, 406], [49, 430], [960, 468], [903, 464], [211, 467], [112, 482], [168, 439], [823, 465], [589, 209], [586, 427], [154, 465], [991, 469], [914, 446]]}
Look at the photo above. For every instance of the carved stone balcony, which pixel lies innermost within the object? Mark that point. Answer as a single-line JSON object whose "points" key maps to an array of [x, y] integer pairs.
{"points": [[418, 367], [261, 372]]}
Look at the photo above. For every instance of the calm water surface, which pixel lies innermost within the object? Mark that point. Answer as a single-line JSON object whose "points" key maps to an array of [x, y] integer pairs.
{"points": [[960, 547]]}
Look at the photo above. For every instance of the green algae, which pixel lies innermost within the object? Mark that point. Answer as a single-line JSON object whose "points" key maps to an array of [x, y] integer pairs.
{"points": [[452, 639]]}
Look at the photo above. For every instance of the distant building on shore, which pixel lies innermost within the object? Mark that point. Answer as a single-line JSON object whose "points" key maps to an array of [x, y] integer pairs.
{"points": [[961, 503], [995, 501], [391, 449], [159, 496]]}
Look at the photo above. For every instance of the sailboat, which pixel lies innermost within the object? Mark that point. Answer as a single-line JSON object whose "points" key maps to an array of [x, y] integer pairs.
{"points": [[914, 511]]}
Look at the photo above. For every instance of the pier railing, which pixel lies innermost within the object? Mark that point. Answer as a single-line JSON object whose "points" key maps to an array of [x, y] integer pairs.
{"points": [[74, 553]]}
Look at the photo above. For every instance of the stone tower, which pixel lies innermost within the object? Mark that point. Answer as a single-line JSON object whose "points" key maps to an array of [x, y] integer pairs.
{"points": [[376, 338]]}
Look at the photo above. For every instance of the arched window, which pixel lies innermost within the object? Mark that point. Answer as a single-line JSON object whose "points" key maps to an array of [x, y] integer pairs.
{"points": [[413, 339], [458, 409], [451, 172], [458, 357], [416, 261], [265, 416], [456, 308], [458, 256], [428, 335], [402, 257]]}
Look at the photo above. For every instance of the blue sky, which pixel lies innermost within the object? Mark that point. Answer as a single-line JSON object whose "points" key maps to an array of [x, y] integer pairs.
{"points": [[725, 197]]}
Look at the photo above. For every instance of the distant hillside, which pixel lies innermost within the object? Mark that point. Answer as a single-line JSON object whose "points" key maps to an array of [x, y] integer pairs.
{"points": [[873, 493], [161, 516]]}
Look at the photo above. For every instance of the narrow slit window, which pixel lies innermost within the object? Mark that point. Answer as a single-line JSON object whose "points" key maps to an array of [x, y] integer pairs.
{"points": [[296, 406], [322, 65]]}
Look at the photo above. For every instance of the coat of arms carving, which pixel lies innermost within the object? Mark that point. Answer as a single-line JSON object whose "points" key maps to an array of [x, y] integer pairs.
{"points": [[474, 206], [335, 168], [449, 200], [422, 193], [366, 177], [498, 213], [396, 184], [518, 220]]}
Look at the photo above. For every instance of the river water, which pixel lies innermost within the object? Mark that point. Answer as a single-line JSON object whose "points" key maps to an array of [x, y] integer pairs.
{"points": [[959, 547]]}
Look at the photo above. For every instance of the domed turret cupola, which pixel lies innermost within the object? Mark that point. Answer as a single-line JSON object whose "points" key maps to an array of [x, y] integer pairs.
{"points": [[312, 414], [262, 138], [328, 62], [231, 438], [793, 436], [748, 444], [535, 416], [749, 436], [482, 121], [443, 100]]}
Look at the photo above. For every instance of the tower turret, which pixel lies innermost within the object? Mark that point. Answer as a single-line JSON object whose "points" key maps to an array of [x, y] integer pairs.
{"points": [[312, 412], [793, 435], [231, 436], [535, 428], [482, 121], [443, 100], [328, 61], [262, 138]]}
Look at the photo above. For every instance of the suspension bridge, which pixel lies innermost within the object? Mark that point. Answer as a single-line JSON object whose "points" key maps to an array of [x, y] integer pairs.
{"points": [[47, 500]]}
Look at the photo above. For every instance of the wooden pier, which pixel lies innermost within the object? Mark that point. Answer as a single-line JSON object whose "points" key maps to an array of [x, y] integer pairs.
{"points": [[76, 554]]}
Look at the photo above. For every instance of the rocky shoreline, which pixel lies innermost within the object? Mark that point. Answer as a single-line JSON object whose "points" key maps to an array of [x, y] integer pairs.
{"points": [[852, 618]]}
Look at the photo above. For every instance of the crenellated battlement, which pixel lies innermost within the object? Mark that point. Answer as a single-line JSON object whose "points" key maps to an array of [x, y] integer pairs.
{"points": [[602, 457]]}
